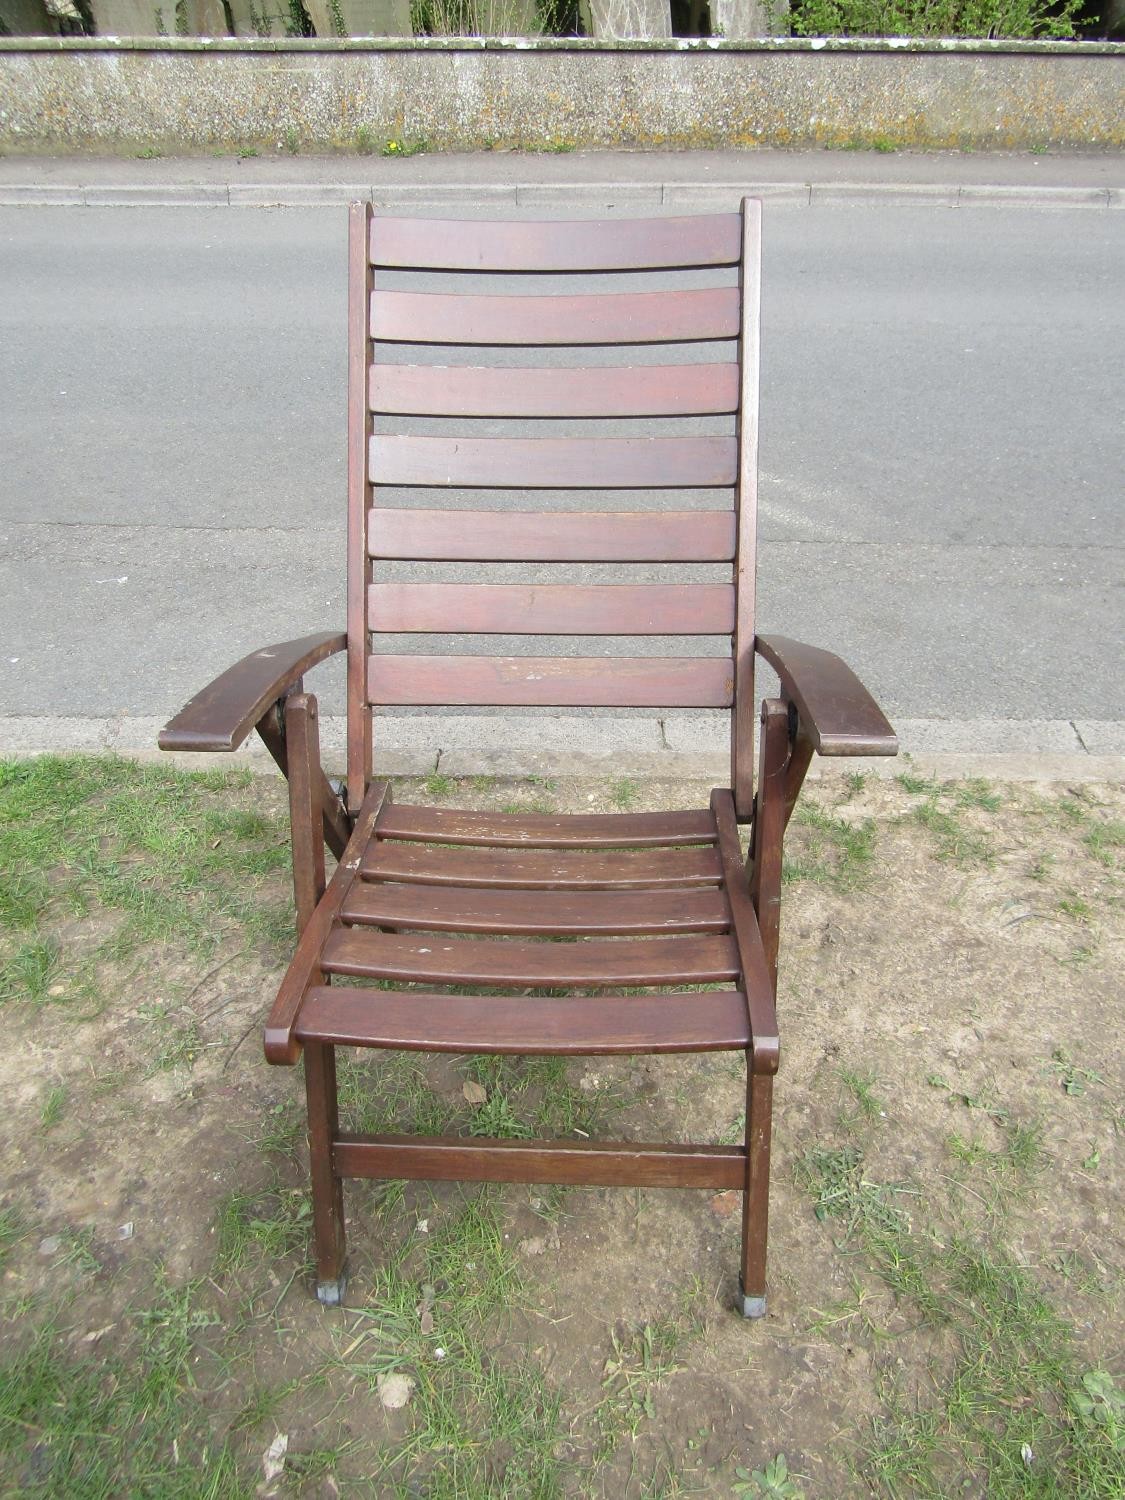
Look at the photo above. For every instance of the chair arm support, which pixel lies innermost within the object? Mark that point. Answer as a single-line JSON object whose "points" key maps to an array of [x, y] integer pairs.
{"points": [[837, 713], [223, 714]]}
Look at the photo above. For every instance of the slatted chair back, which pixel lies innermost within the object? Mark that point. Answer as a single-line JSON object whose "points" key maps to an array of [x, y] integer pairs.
{"points": [[437, 352]]}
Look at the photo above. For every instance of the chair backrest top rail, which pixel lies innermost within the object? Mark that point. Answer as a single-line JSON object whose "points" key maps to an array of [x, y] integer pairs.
{"points": [[671, 243]]}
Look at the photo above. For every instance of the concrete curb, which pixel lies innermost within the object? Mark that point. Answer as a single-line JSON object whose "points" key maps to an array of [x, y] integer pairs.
{"points": [[642, 195], [681, 745]]}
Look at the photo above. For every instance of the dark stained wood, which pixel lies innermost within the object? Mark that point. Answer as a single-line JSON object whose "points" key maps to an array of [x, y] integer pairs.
{"points": [[756, 1189], [594, 1164], [600, 318], [769, 828], [337, 826], [555, 462], [552, 609], [552, 536], [302, 740], [227, 709], [758, 981], [703, 1021], [327, 1188], [746, 508], [360, 284], [837, 712], [538, 870], [596, 913], [600, 963], [304, 968], [442, 825], [640, 391], [552, 681], [561, 245]]}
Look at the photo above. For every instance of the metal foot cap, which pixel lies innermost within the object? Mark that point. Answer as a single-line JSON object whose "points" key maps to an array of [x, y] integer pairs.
{"points": [[751, 1307], [331, 1293]]}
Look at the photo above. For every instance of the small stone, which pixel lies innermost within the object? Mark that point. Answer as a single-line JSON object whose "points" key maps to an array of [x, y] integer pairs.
{"points": [[533, 1246], [125, 1231], [394, 1390], [50, 1245]]}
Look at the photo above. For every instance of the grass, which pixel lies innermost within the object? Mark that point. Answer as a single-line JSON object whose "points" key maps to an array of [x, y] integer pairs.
{"points": [[828, 849], [1006, 1380], [168, 856], [273, 1225]]}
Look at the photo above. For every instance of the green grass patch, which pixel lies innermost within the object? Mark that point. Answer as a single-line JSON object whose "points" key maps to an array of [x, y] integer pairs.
{"points": [[829, 849], [168, 855]]}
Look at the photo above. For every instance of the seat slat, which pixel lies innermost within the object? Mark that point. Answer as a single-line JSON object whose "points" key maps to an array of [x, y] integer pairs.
{"points": [[601, 963], [552, 609], [552, 681], [520, 869], [644, 391], [605, 318], [601, 913], [554, 463], [440, 825], [582, 1025], [551, 536], [566, 245]]}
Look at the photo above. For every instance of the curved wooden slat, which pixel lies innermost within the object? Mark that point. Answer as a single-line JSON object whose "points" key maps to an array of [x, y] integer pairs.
{"points": [[559, 245], [551, 536], [565, 870], [640, 391], [713, 1020], [552, 609], [552, 681], [600, 963], [589, 914], [555, 463], [440, 825], [605, 318]]}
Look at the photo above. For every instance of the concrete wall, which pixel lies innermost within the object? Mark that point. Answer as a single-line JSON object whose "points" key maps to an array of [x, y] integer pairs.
{"points": [[108, 95]]}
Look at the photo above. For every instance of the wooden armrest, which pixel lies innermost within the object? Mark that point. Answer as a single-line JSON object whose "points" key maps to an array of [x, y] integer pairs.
{"points": [[223, 714], [837, 712]]}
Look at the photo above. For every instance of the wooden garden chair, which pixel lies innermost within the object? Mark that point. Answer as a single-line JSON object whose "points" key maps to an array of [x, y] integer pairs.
{"points": [[457, 909]]}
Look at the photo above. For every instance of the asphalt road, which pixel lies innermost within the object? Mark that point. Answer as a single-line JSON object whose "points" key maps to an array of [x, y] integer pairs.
{"points": [[942, 450]]}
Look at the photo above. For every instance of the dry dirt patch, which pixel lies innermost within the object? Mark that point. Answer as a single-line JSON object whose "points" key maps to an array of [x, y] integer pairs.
{"points": [[945, 1258]]}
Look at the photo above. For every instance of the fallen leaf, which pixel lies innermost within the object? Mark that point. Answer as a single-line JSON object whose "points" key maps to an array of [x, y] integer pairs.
{"points": [[394, 1390], [724, 1204], [92, 1338], [475, 1093], [50, 1245], [273, 1459]]}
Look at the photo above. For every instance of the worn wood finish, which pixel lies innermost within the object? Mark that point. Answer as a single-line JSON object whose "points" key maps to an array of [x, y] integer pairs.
{"points": [[837, 712], [553, 681], [586, 1163], [537, 870], [223, 714], [604, 913], [746, 507], [756, 1187], [554, 462], [327, 1187], [769, 829], [758, 984], [552, 536], [337, 826], [599, 318], [599, 391], [302, 740], [544, 831], [304, 968], [361, 282], [600, 963], [704, 1021], [552, 609], [568, 245]]}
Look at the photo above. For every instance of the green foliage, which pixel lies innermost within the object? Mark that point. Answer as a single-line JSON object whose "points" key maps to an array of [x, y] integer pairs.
{"points": [[935, 18], [772, 1482]]}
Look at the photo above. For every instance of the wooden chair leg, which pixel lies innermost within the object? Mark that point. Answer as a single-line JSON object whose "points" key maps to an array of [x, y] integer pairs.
{"points": [[327, 1187], [756, 1194]]}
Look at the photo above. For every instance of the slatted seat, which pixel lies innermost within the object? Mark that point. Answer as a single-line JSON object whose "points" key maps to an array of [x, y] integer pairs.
{"points": [[478, 410]]}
